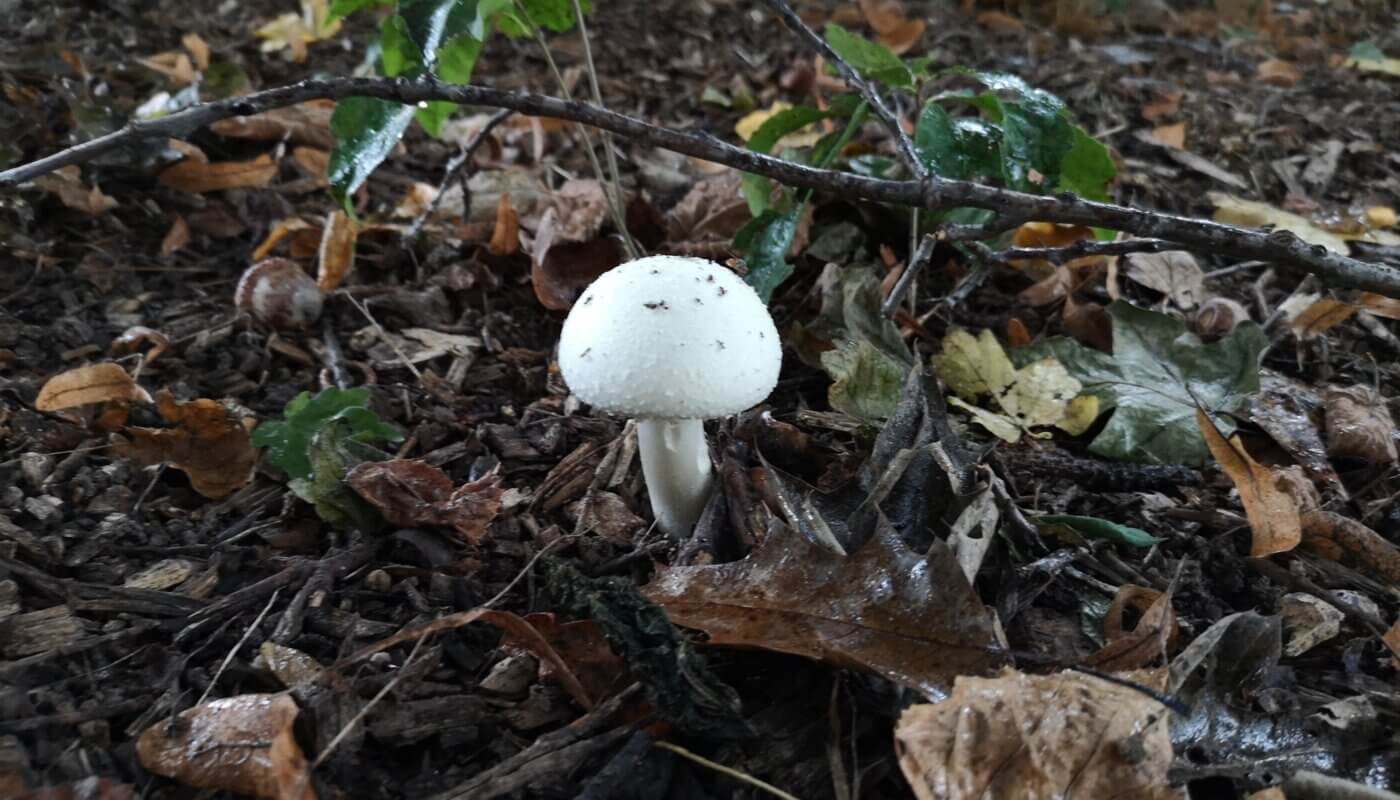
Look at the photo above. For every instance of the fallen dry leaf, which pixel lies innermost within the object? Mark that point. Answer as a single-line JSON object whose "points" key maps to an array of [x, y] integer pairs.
{"points": [[412, 493], [1379, 304], [1174, 273], [336, 255], [892, 27], [560, 272], [92, 383], [198, 177], [66, 184], [176, 238], [1392, 641], [1046, 235], [1379, 66], [705, 220], [243, 744], [1272, 512], [173, 64], [881, 609], [1035, 737], [134, 337], [198, 49], [1277, 72], [1173, 135], [580, 208], [1336, 537], [210, 444], [1017, 334], [1001, 23], [1088, 322], [307, 124], [1311, 315], [1153, 636], [505, 236], [1249, 213], [579, 645], [280, 231], [293, 32], [1359, 425], [1163, 105]]}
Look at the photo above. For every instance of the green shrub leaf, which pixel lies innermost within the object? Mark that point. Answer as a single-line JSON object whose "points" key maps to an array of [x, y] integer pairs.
{"points": [[288, 442], [871, 60]]}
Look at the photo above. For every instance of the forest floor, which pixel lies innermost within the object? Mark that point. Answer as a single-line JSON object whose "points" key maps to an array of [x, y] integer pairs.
{"points": [[128, 596]]}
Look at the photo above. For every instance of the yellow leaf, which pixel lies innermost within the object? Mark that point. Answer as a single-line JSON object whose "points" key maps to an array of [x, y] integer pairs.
{"points": [[749, 124], [1000, 425], [1384, 66], [973, 366], [1082, 412], [1040, 393], [1274, 522]]}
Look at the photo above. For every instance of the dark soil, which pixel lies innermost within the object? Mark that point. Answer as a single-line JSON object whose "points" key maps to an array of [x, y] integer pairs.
{"points": [[88, 661]]}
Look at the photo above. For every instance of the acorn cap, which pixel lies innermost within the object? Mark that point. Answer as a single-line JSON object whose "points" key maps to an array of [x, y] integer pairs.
{"points": [[670, 337]]}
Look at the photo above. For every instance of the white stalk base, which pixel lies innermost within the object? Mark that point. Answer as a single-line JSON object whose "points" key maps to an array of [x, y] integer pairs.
{"points": [[676, 464]]}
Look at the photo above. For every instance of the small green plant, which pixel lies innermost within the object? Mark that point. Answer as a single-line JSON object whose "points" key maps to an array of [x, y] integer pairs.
{"points": [[422, 38], [1016, 135], [288, 442]]}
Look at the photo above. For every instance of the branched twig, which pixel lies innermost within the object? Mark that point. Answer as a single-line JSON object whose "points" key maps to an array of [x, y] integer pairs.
{"points": [[1278, 247], [454, 165], [906, 278], [866, 88], [1082, 249]]}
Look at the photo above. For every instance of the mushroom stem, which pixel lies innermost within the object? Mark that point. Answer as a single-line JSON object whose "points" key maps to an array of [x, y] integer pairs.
{"points": [[676, 463]]}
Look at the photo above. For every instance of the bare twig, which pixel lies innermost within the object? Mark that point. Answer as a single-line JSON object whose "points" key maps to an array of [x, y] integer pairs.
{"points": [[233, 650], [1278, 247], [906, 278], [609, 152], [1082, 249], [867, 90], [454, 166], [742, 777]]}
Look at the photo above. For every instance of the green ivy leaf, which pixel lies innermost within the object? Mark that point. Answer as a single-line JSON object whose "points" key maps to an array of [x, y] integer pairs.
{"points": [[344, 8], [397, 51], [552, 15], [867, 381], [366, 129], [871, 60], [959, 148], [764, 241], [1087, 168], [1095, 528], [288, 441], [1033, 138], [1157, 375]]}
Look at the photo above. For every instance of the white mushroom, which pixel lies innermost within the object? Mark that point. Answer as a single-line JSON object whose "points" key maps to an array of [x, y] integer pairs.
{"points": [[671, 341]]}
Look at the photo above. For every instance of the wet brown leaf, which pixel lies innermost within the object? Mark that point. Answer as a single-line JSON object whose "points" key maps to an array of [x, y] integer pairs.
{"points": [[1273, 513], [1047, 234], [1088, 322], [709, 214], [243, 744], [308, 124], [1359, 425], [176, 238], [67, 185], [1017, 335], [412, 493], [336, 255], [881, 609], [580, 646], [566, 269], [1285, 415], [1336, 537], [208, 443], [1152, 638], [505, 237], [199, 177], [1021, 736], [92, 383]]}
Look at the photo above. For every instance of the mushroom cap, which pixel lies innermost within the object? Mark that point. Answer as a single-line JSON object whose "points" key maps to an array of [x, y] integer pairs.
{"points": [[670, 337]]}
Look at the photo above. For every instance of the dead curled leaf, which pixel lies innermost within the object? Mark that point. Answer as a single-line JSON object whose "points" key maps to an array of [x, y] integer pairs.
{"points": [[1311, 315], [208, 443], [412, 493], [198, 177], [336, 255], [579, 645], [560, 272], [505, 236], [243, 744], [67, 185], [1038, 736], [92, 383], [1336, 537], [1272, 512], [883, 609], [308, 124], [1153, 637]]}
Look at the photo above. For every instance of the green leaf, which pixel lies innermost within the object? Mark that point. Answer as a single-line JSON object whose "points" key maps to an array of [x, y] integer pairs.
{"points": [[1366, 51], [366, 129], [1087, 168], [1158, 373], [553, 15], [1095, 528], [765, 242], [1033, 138], [397, 51], [867, 381], [958, 148], [870, 60], [288, 442], [344, 8], [457, 58]]}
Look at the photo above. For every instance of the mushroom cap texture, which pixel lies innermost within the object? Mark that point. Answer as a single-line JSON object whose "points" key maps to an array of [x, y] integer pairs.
{"points": [[670, 337]]}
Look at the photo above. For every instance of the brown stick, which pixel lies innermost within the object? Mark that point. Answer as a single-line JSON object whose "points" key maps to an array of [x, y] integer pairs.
{"points": [[1279, 247]]}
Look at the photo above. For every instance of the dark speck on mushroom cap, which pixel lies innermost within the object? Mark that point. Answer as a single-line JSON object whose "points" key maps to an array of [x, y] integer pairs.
{"points": [[637, 346]]}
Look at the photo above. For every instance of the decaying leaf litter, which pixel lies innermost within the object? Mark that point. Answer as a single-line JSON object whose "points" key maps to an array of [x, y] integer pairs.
{"points": [[873, 550]]}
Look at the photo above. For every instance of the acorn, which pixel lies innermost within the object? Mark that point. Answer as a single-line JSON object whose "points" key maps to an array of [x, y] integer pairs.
{"points": [[1218, 317], [279, 293]]}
